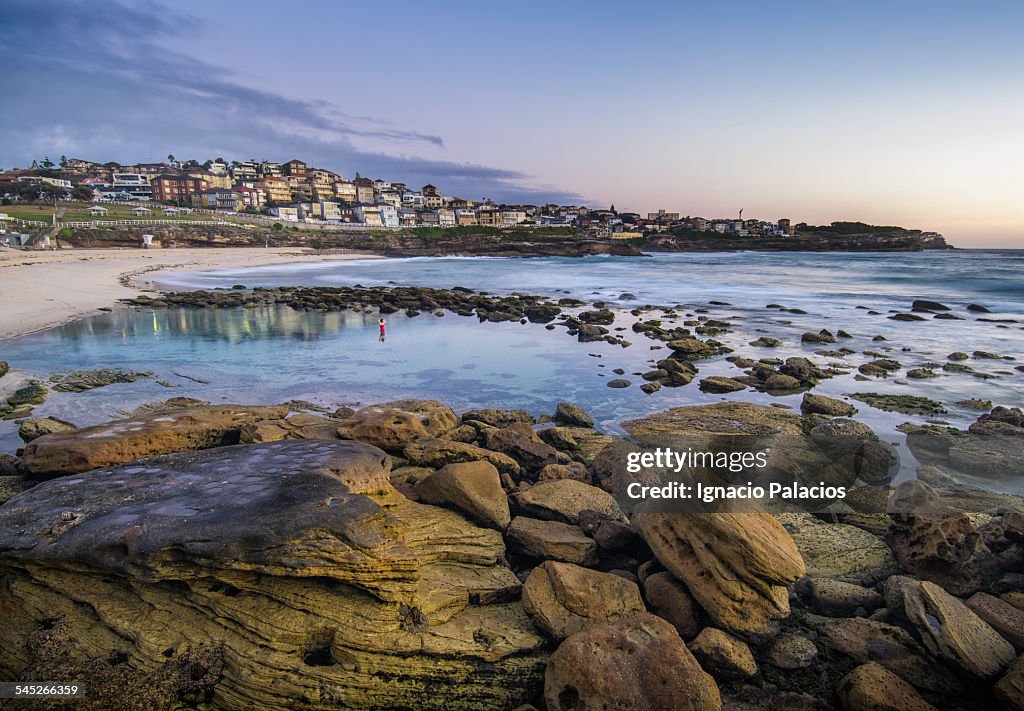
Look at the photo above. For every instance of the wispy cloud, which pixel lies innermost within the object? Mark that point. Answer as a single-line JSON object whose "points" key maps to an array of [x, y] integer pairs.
{"points": [[98, 81]]}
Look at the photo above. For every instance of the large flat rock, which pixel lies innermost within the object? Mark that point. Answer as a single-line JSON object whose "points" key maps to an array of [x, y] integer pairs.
{"points": [[321, 582], [123, 441]]}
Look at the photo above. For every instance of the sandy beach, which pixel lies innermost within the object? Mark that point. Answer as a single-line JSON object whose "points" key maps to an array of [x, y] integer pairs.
{"points": [[43, 289]]}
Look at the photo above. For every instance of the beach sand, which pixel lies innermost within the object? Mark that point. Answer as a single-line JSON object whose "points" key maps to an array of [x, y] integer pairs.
{"points": [[41, 289]]}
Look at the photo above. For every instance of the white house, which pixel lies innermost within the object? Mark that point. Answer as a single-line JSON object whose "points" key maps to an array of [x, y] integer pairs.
{"points": [[285, 213]]}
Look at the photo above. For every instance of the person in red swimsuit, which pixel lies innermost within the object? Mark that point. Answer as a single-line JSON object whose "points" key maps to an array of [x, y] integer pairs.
{"points": [[382, 325]]}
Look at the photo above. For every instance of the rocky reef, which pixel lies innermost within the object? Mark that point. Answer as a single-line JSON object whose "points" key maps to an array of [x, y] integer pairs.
{"points": [[238, 557]]}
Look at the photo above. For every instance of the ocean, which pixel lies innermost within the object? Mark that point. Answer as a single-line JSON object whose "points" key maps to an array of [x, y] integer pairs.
{"points": [[274, 354]]}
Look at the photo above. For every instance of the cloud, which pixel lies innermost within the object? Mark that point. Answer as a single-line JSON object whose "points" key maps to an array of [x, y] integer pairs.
{"points": [[99, 81]]}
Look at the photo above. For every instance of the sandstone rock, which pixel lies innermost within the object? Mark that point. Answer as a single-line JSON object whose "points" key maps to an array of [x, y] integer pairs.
{"points": [[561, 438], [834, 597], [791, 651], [565, 499], [766, 342], [723, 418], [122, 441], [36, 427], [725, 656], [436, 453], [563, 599], [719, 384], [951, 630], [867, 640], [78, 381], [569, 414], [870, 687], [573, 470], [821, 405], [551, 540], [670, 600], [529, 451], [498, 418], [393, 425], [736, 565], [619, 383], [1010, 689], [840, 551], [1003, 617], [636, 663], [938, 544], [472, 487], [301, 425], [298, 558]]}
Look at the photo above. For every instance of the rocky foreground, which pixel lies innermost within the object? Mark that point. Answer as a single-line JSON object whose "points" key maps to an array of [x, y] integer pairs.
{"points": [[401, 555]]}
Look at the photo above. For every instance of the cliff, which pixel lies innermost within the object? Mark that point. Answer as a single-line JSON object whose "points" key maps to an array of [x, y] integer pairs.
{"points": [[519, 243]]}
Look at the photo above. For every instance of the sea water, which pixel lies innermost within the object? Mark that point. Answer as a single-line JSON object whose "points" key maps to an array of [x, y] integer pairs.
{"points": [[273, 354]]}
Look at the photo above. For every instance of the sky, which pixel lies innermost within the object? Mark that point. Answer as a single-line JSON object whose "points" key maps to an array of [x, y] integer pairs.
{"points": [[900, 112]]}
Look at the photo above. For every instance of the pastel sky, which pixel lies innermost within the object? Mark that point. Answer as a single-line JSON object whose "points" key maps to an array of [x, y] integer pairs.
{"points": [[900, 112]]}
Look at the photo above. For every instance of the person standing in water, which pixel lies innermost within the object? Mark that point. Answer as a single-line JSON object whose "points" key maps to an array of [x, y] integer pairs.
{"points": [[382, 325]]}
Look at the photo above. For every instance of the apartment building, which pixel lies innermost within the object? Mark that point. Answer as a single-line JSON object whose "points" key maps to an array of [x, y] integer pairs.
{"points": [[276, 190], [178, 187]]}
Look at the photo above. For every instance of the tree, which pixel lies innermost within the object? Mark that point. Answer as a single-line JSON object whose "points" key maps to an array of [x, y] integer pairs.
{"points": [[277, 227], [47, 163], [170, 157], [63, 161]]}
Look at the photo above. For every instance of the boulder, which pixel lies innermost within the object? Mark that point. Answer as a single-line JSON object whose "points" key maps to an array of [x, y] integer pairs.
{"points": [[791, 651], [499, 418], [572, 470], [1010, 689], [670, 600], [299, 559], [821, 405], [571, 415], [436, 453], [950, 630], [394, 425], [564, 500], [471, 487], [836, 598], [551, 540], [36, 427], [529, 451], [633, 663], [725, 656], [867, 640], [839, 551], [938, 544], [302, 425], [1003, 617], [563, 599], [736, 565], [721, 385], [870, 687], [121, 441]]}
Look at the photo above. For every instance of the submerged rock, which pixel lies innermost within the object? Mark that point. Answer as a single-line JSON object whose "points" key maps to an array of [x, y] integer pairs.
{"points": [[78, 381], [36, 427], [317, 578]]}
